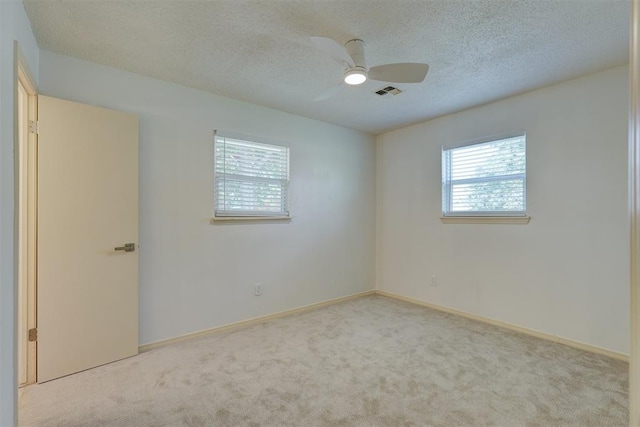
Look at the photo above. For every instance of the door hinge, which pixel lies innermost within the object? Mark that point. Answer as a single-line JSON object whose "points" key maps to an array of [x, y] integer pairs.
{"points": [[33, 334], [33, 127]]}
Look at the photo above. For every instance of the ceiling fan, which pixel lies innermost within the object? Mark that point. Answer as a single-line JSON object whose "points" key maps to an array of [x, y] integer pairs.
{"points": [[356, 72]]}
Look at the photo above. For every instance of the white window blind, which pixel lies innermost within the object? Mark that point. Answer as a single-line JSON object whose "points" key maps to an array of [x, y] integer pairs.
{"points": [[485, 179], [251, 178]]}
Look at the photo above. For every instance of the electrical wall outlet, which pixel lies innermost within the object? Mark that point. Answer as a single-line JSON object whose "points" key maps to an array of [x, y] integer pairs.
{"points": [[258, 289], [434, 280]]}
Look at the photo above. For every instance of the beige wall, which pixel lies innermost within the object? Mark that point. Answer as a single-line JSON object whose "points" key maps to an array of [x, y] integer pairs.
{"points": [[566, 273]]}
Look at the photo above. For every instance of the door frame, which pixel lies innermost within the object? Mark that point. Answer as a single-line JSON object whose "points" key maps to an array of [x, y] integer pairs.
{"points": [[634, 212], [25, 219]]}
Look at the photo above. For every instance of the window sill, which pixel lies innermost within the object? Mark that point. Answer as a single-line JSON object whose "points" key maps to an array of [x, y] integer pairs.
{"points": [[249, 219], [485, 219]]}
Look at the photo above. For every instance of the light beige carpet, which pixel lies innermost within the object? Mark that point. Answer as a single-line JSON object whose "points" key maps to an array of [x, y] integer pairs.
{"points": [[371, 361]]}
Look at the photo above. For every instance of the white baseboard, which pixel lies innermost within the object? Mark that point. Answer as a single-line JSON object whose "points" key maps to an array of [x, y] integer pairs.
{"points": [[255, 320], [532, 332], [248, 322]]}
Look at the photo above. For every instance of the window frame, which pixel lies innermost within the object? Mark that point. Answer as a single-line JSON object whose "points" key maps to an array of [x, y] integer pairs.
{"points": [[246, 215], [489, 217]]}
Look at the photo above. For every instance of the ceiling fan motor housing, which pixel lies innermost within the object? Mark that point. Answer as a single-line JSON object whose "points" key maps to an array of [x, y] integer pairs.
{"points": [[355, 49], [358, 73]]}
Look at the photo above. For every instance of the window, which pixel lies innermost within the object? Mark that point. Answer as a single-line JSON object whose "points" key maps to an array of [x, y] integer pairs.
{"points": [[486, 178], [251, 179]]}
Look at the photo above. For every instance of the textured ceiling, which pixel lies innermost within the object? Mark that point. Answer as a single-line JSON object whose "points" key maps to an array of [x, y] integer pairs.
{"points": [[259, 50]]}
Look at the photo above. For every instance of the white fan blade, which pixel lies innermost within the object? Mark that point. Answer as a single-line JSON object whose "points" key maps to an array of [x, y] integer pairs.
{"points": [[333, 48], [408, 72], [331, 92]]}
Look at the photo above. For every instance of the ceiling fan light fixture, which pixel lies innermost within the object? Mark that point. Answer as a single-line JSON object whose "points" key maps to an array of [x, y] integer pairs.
{"points": [[355, 77]]}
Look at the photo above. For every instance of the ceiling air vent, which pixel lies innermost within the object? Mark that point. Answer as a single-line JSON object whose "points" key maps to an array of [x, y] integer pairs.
{"points": [[388, 90]]}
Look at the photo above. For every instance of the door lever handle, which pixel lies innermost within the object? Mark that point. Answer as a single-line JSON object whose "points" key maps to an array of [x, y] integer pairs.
{"points": [[128, 247]]}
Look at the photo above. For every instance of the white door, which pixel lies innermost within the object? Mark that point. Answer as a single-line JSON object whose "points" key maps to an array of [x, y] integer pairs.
{"points": [[87, 212]]}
